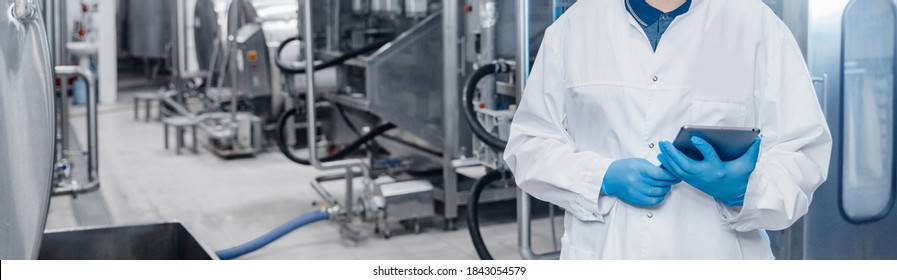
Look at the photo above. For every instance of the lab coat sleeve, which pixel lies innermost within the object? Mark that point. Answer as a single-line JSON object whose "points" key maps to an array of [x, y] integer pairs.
{"points": [[796, 143], [541, 153]]}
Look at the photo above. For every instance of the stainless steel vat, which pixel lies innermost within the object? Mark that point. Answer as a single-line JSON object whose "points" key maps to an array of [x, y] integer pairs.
{"points": [[159, 241]]}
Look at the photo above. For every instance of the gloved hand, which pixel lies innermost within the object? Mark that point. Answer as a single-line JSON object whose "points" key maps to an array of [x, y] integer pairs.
{"points": [[637, 182], [724, 180]]}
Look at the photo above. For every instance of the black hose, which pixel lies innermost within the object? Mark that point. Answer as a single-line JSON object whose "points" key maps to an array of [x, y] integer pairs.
{"points": [[282, 143], [473, 220], [470, 114], [326, 64], [277, 62], [345, 117]]}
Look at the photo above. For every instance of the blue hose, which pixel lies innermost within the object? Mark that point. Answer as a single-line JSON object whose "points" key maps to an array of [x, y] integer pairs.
{"points": [[267, 238]]}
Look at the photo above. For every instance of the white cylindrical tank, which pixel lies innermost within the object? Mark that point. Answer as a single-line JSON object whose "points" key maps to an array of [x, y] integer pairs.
{"points": [[27, 129]]}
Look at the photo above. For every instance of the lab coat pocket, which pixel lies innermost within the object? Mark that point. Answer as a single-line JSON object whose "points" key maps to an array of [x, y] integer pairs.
{"points": [[713, 111]]}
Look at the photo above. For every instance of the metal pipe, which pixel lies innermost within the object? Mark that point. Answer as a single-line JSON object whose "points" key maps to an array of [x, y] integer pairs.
{"points": [[522, 22], [488, 20], [235, 55], [23, 10], [50, 23], [524, 201], [198, 120], [70, 189], [316, 185], [92, 134], [310, 105], [524, 229], [350, 192], [92, 146], [450, 22], [64, 114], [181, 46]]}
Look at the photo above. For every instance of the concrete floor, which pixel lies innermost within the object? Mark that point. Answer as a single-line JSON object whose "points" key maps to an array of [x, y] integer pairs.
{"points": [[228, 202]]}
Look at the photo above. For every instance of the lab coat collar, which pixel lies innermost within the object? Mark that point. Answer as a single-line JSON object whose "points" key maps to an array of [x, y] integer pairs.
{"points": [[646, 15]]}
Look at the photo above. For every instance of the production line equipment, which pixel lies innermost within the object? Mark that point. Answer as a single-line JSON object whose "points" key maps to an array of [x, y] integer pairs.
{"points": [[402, 93], [399, 71]]}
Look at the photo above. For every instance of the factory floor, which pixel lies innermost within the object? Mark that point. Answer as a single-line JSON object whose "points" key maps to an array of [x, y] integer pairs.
{"points": [[228, 202]]}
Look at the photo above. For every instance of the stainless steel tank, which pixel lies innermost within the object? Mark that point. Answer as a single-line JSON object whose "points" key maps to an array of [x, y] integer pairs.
{"points": [[209, 28], [26, 128], [149, 28]]}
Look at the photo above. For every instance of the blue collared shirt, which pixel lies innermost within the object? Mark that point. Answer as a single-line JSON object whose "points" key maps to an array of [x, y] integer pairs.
{"points": [[652, 20]]}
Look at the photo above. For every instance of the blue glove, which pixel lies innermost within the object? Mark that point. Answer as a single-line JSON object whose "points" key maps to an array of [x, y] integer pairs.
{"points": [[724, 180], [637, 182]]}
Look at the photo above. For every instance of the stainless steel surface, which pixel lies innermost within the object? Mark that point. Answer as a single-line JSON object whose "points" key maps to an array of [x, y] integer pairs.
{"points": [[27, 125], [407, 200], [399, 87], [149, 28], [159, 241], [52, 12], [209, 31], [24, 10], [310, 108], [179, 44], [450, 122]]}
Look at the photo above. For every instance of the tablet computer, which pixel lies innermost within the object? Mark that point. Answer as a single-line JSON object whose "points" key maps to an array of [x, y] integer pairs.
{"points": [[729, 142]]}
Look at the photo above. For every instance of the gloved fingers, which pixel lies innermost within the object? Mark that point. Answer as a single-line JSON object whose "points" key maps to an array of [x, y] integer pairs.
{"points": [[753, 152], [656, 191], [676, 156], [661, 183], [657, 173], [672, 167], [705, 148]]}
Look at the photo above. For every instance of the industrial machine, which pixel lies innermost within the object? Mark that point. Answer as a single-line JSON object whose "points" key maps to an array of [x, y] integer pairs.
{"points": [[368, 69], [27, 125]]}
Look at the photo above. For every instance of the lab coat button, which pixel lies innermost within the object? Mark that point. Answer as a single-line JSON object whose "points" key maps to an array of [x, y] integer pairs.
{"points": [[654, 79], [651, 145], [650, 215]]}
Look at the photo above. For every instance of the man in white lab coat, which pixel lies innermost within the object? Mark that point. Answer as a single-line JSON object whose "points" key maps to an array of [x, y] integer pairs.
{"points": [[614, 80]]}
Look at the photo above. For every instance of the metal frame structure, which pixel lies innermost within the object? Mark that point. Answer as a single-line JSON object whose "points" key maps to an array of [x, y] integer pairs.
{"points": [[93, 175]]}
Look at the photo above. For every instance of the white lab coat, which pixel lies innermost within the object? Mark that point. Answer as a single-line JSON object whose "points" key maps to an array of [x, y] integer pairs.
{"points": [[597, 93]]}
